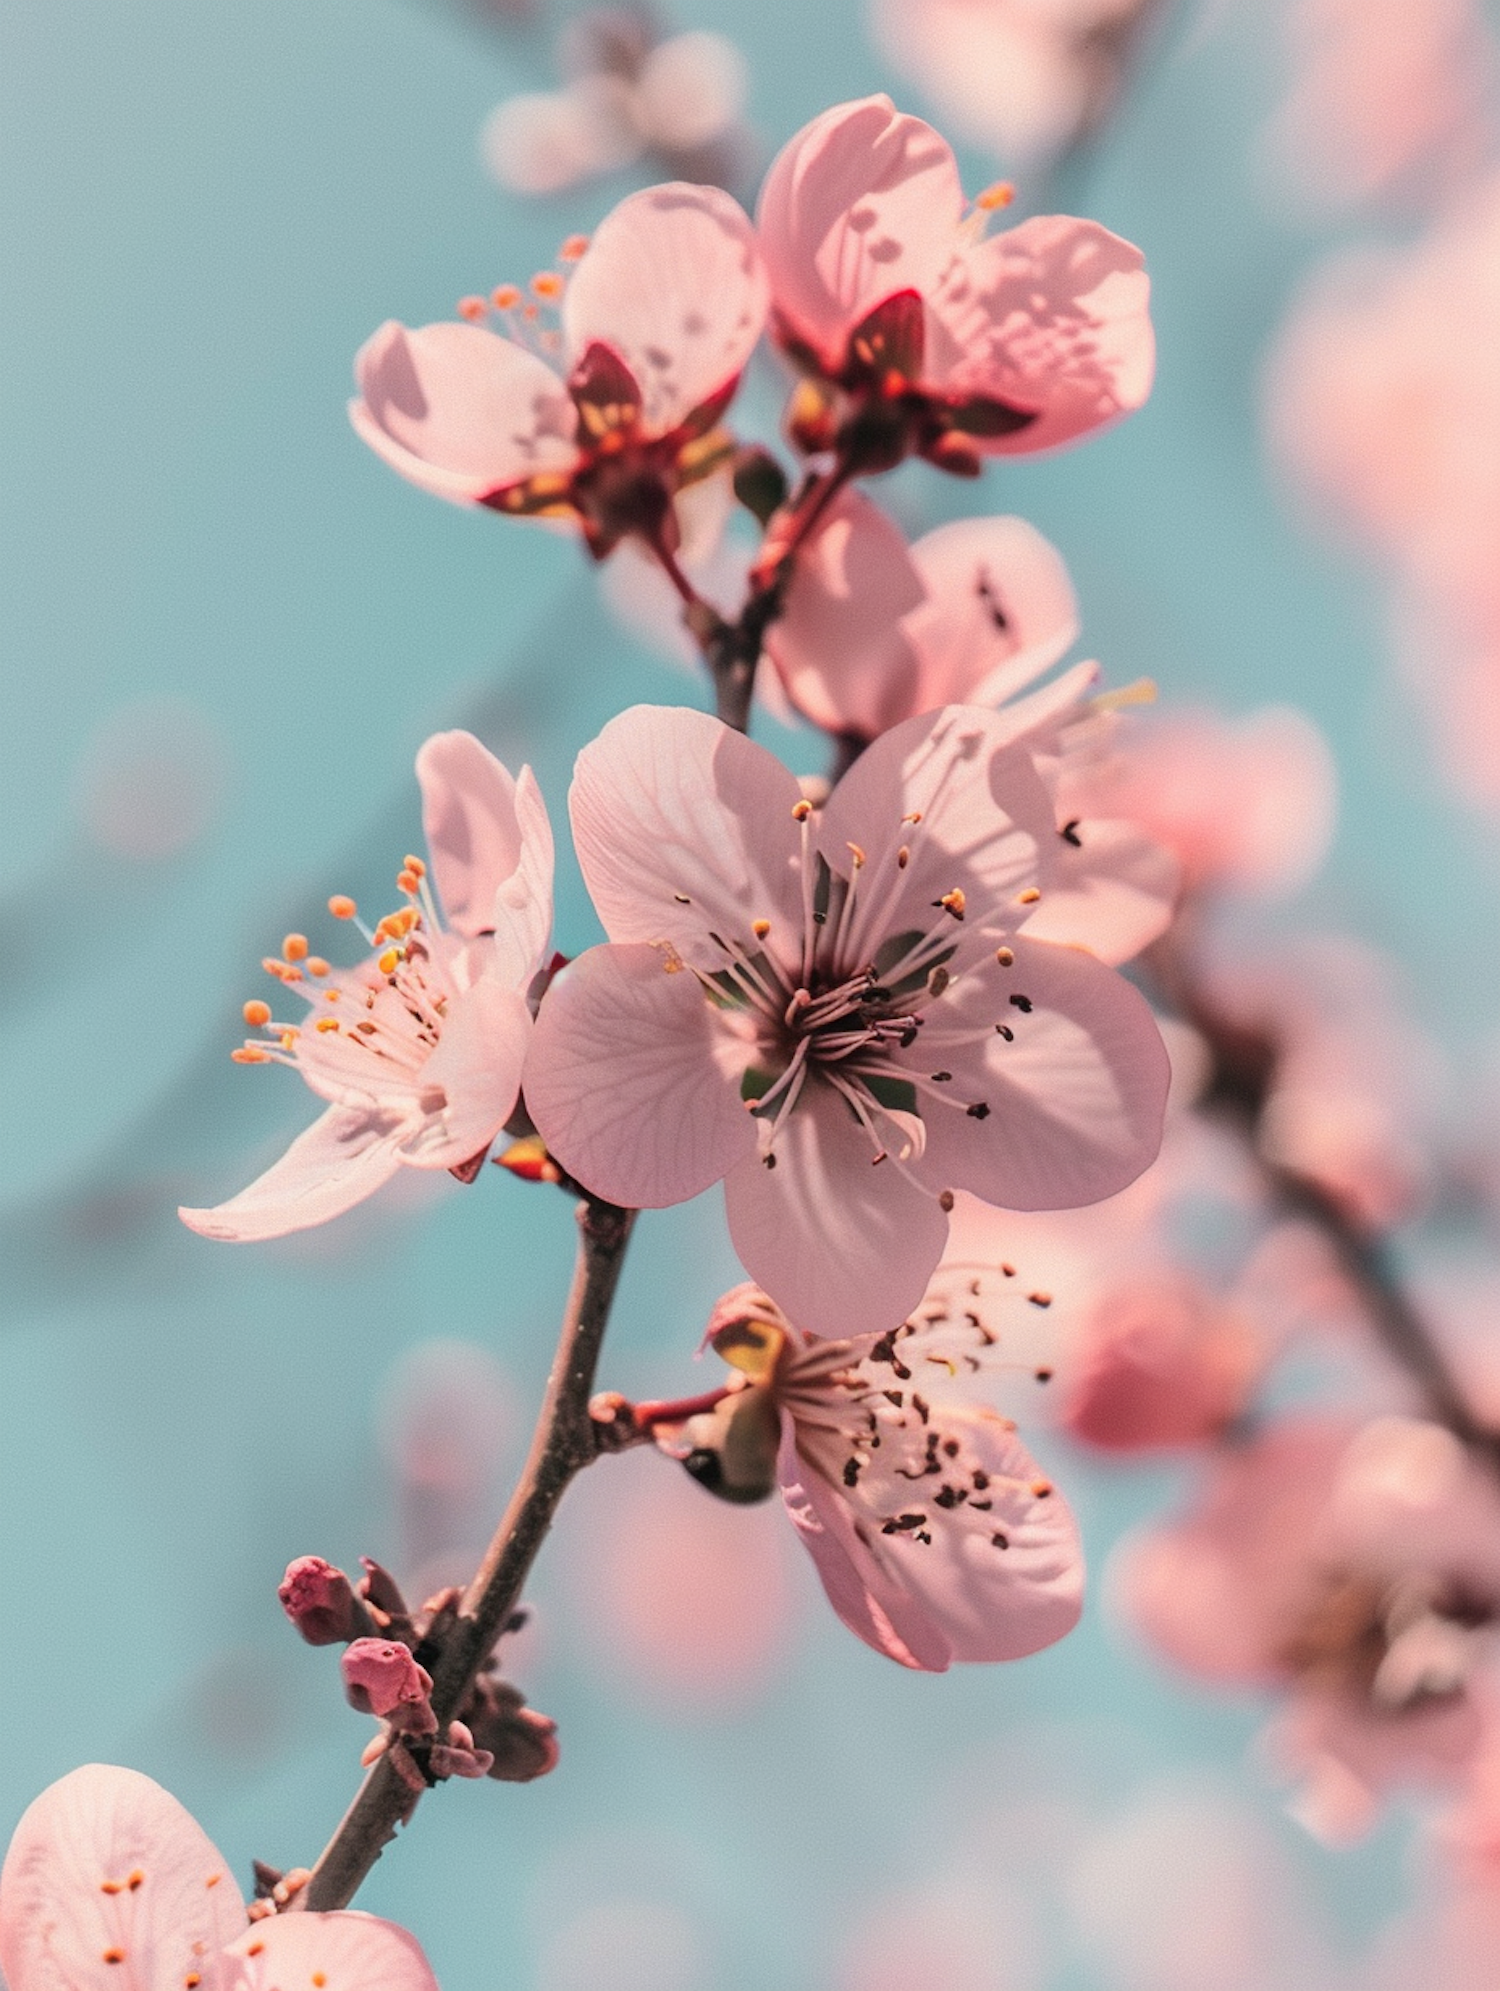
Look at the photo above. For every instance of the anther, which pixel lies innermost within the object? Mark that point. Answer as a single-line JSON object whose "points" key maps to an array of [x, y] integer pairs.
{"points": [[937, 981], [294, 947], [760, 928], [903, 858], [407, 881], [414, 865], [914, 817], [1040, 1299], [801, 811], [572, 249], [953, 902], [250, 1054], [316, 965], [945, 1200], [256, 1014], [1004, 1030], [1005, 957], [547, 284], [114, 1956], [1001, 194], [137, 1879], [1029, 897], [326, 1023], [388, 961], [1022, 1003], [857, 854], [1041, 1488], [342, 907], [474, 309], [978, 1111], [505, 297]]}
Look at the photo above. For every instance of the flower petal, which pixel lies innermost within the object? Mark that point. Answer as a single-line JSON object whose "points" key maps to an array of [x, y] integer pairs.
{"points": [[684, 828], [633, 1079], [477, 1067], [491, 848], [1065, 1056], [459, 411], [1054, 316], [843, 1246], [674, 283], [106, 1868], [862, 203], [343, 1157], [999, 610], [343, 1950], [1112, 890]]}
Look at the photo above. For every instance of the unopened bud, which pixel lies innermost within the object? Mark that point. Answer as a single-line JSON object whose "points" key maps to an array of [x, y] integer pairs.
{"points": [[759, 482], [458, 1757], [382, 1678], [320, 1601], [522, 1742]]}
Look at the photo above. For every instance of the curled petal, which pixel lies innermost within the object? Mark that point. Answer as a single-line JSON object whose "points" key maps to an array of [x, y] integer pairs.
{"points": [[673, 281], [684, 829], [343, 1157], [108, 1881], [864, 202], [459, 411], [489, 839], [1065, 1060], [633, 1079], [843, 1244], [477, 1069], [342, 1951]]}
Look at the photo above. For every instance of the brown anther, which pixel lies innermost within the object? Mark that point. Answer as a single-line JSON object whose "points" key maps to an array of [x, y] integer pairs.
{"points": [[945, 1200], [760, 928], [1041, 1488], [256, 1014], [135, 1879], [801, 811], [342, 906], [1040, 1299], [914, 817], [114, 1956], [1005, 957], [192, 1981], [294, 947], [903, 858]]}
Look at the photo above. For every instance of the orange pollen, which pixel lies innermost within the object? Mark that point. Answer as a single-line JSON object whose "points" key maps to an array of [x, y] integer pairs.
{"points": [[414, 865], [114, 1956], [760, 928], [573, 248], [136, 1879], [953, 902], [319, 1979], [407, 881], [801, 811], [914, 817], [1030, 896], [473, 308], [282, 970], [1041, 1488], [388, 960], [288, 1039], [316, 965], [1001, 194], [505, 297], [111, 1886], [342, 907], [294, 947], [547, 284], [255, 1949], [191, 1981], [250, 1054], [1004, 956], [213, 1880], [326, 1023]]}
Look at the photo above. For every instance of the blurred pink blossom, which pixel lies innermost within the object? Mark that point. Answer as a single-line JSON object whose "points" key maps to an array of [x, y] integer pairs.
{"points": [[419, 1050], [446, 1418], [109, 1881], [839, 1016], [1357, 1569], [941, 340], [602, 419]]}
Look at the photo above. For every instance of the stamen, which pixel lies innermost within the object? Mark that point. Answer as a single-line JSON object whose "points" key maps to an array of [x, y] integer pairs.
{"points": [[342, 907], [473, 309], [573, 248], [256, 1014], [294, 947]]}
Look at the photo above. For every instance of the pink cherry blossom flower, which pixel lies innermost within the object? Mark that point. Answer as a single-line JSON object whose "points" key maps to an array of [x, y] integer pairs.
{"points": [[109, 1882], [418, 1051], [927, 335], [876, 631], [655, 327], [840, 1017], [933, 1531], [1358, 1570]]}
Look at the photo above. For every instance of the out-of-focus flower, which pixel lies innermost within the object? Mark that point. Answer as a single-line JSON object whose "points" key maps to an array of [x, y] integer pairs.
{"points": [[631, 93], [934, 1533], [915, 332], [1357, 1569], [152, 780], [602, 418], [1386, 100], [109, 1881], [1243, 804], [1025, 78], [876, 631], [446, 1417], [838, 1016], [419, 1049]]}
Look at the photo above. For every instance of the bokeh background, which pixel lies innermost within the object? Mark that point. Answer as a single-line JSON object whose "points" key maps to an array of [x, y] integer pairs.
{"points": [[228, 629]]}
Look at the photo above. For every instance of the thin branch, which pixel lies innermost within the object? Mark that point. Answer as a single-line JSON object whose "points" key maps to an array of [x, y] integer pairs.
{"points": [[562, 1445]]}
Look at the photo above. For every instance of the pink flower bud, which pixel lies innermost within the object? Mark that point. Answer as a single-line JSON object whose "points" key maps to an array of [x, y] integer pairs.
{"points": [[382, 1678], [320, 1601]]}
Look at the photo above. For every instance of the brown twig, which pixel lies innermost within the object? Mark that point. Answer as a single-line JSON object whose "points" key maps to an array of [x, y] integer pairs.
{"points": [[563, 1443]]}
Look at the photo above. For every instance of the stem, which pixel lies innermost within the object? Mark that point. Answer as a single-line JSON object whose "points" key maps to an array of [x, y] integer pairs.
{"points": [[562, 1444]]}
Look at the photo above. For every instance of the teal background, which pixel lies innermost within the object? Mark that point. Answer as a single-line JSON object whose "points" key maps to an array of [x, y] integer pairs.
{"points": [[205, 212]]}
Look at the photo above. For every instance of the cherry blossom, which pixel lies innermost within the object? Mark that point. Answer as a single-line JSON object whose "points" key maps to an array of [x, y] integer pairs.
{"points": [[419, 1049], [602, 418], [1357, 1568], [109, 1883], [933, 1531], [915, 331], [876, 631], [839, 1017]]}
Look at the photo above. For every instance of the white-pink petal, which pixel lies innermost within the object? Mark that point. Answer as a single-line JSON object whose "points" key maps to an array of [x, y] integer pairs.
{"points": [[339, 1951], [674, 284], [633, 1079], [109, 1881], [476, 1068], [343, 1157], [684, 829], [459, 411], [490, 843], [1111, 890]]}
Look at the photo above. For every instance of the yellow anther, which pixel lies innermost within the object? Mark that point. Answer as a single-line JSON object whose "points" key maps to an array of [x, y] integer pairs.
{"points": [[342, 907], [953, 902], [801, 811], [1005, 957], [547, 284], [256, 1014], [1029, 897], [414, 865], [1001, 194], [294, 947], [288, 1039], [473, 308], [316, 965], [332, 995], [857, 854], [326, 1023], [388, 960], [505, 297], [250, 1054], [573, 248]]}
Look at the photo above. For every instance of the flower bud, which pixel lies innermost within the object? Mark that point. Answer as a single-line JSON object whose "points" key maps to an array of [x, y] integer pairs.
{"points": [[382, 1678], [320, 1601], [522, 1742]]}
